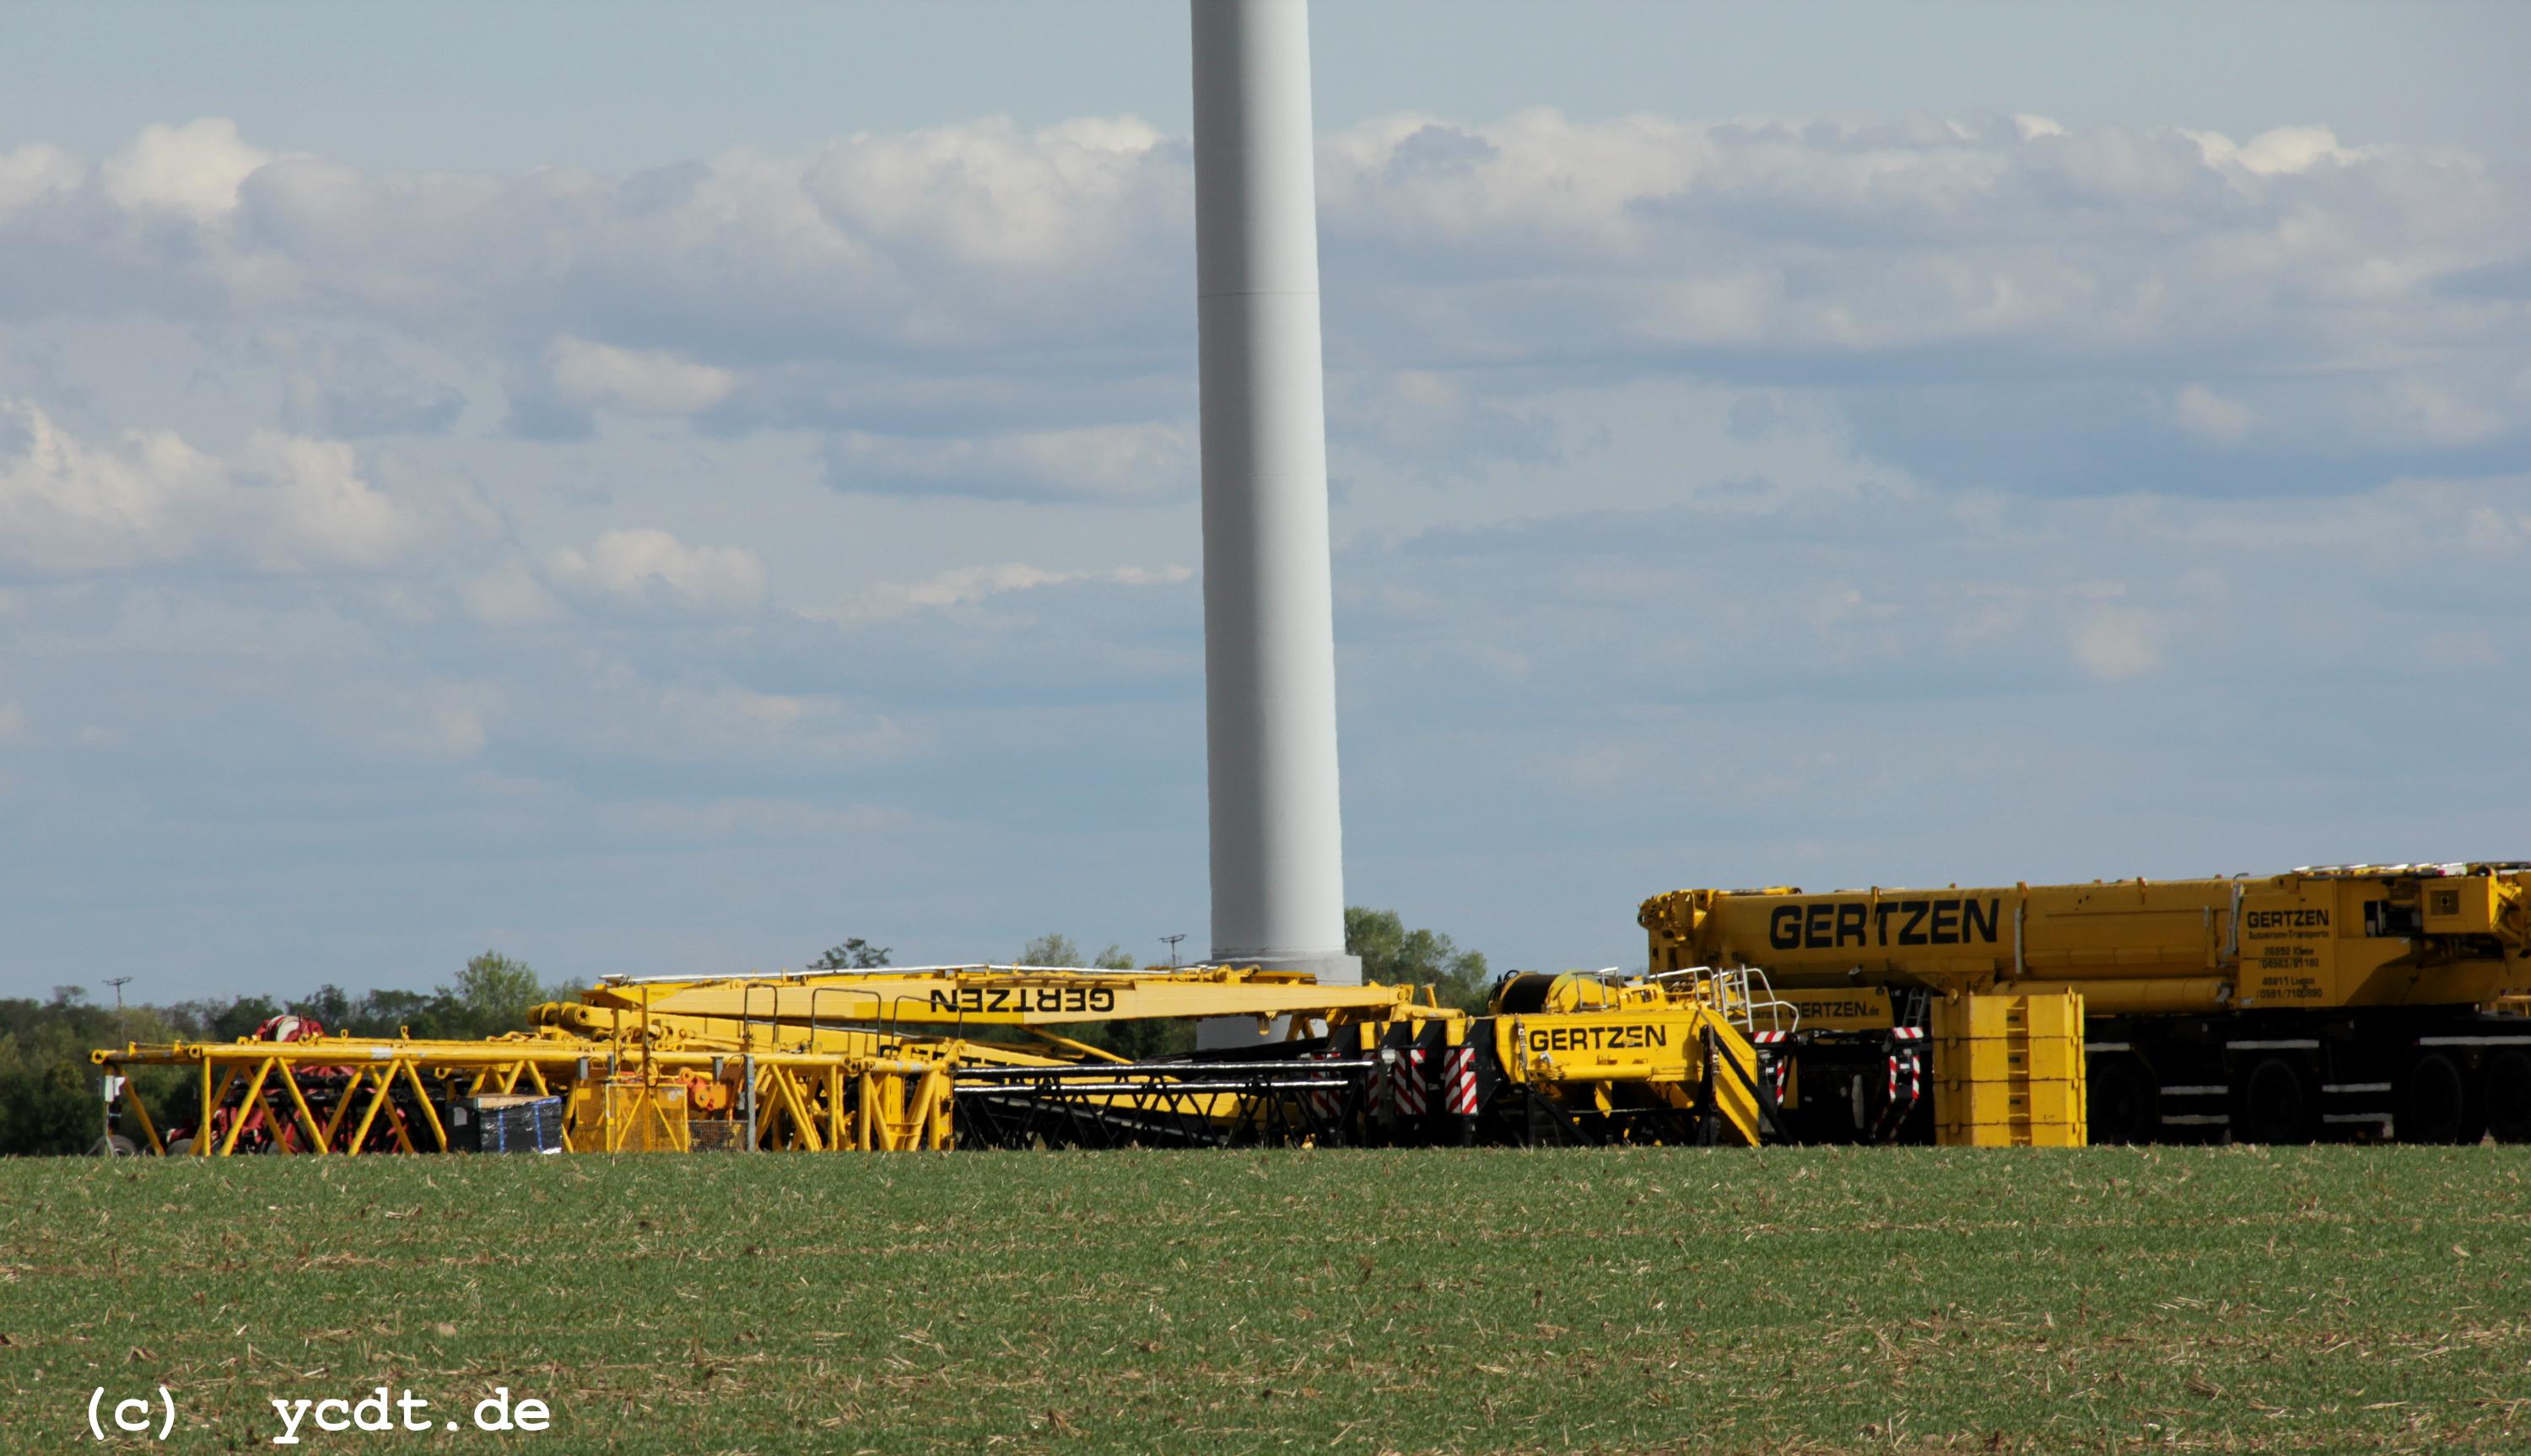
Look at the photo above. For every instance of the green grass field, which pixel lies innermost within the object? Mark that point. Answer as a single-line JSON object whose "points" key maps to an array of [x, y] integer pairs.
{"points": [[2207, 1300]]}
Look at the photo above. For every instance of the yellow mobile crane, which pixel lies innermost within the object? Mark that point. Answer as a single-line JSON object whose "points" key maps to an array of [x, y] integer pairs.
{"points": [[916, 1059], [1567, 1058], [2351, 998], [1599, 1059]]}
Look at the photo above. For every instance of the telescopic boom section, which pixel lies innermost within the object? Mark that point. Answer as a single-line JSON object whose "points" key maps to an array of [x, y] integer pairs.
{"points": [[1001, 995]]}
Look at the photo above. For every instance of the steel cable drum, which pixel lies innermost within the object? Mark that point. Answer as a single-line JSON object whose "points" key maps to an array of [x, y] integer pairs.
{"points": [[1521, 992], [1528, 992]]}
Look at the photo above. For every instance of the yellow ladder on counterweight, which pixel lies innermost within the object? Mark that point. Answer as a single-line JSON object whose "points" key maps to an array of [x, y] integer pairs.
{"points": [[1731, 1078]]}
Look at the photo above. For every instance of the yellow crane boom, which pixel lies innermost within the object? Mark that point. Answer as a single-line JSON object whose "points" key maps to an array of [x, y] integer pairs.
{"points": [[999, 995]]}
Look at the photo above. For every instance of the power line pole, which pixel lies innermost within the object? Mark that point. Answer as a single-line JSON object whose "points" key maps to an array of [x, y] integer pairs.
{"points": [[1173, 947], [113, 1085], [116, 981]]}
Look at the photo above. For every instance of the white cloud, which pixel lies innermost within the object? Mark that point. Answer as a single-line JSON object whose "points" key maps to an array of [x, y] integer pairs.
{"points": [[194, 169], [33, 170], [2114, 645], [785, 820], [2280, 152], [985, 194], [435, 721], [2492, 531], [957, 237], [285, 504], [1784, 237], [509, 595], [962, 307], [608, 707], [977, 236], [651, 567], [968, 585], [339, 386], [2208, 415], [1435, 424], [647, 381], [2438, 416], [322, 511], [67, 507], [1120, 462], [440, 730]]}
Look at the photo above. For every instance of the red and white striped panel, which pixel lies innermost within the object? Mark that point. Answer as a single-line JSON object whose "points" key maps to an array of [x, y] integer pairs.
{"points": [[1771, 1040], [1459, 1081], [1909, 1064], [1326, 1102], [1406, 1081]]}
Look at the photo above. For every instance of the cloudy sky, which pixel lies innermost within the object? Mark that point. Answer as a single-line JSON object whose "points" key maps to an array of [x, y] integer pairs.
{"points": [[661, 492]]}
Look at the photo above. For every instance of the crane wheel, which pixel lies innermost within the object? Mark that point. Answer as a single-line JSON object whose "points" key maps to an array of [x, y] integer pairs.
{"points": [[2126, 1101], [2437, 1104], [2508, 1095], [2276, 1105]]}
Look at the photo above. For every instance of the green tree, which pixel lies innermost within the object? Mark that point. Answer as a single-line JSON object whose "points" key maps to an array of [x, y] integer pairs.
{"points": [[1394, 955], [48, 1088], [329, 1005], [49, 1099], [855, 954], [1049, 950], [238, 1020], [1135, 1041], [388, 1011], [493, 994]]}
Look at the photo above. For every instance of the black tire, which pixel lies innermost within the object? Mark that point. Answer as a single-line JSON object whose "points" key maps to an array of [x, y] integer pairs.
{"points": [[2438, 1104], [2125, 1101], [2276, 1105], [2507, 1103]]}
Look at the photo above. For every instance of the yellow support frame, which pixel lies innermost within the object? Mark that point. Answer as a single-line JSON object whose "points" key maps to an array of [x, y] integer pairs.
{"points": [[622, 1070], [132, 1096]]}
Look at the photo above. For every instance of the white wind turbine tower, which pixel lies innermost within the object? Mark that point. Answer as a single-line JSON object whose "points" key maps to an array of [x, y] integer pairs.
{"points": [[1269, 632]]}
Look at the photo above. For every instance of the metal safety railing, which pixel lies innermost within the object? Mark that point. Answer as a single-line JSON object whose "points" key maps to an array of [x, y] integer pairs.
{"points": [[1741, 995]]}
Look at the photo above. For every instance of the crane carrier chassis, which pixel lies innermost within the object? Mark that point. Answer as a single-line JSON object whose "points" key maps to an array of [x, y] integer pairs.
{"points": [[2344, 1000]]}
